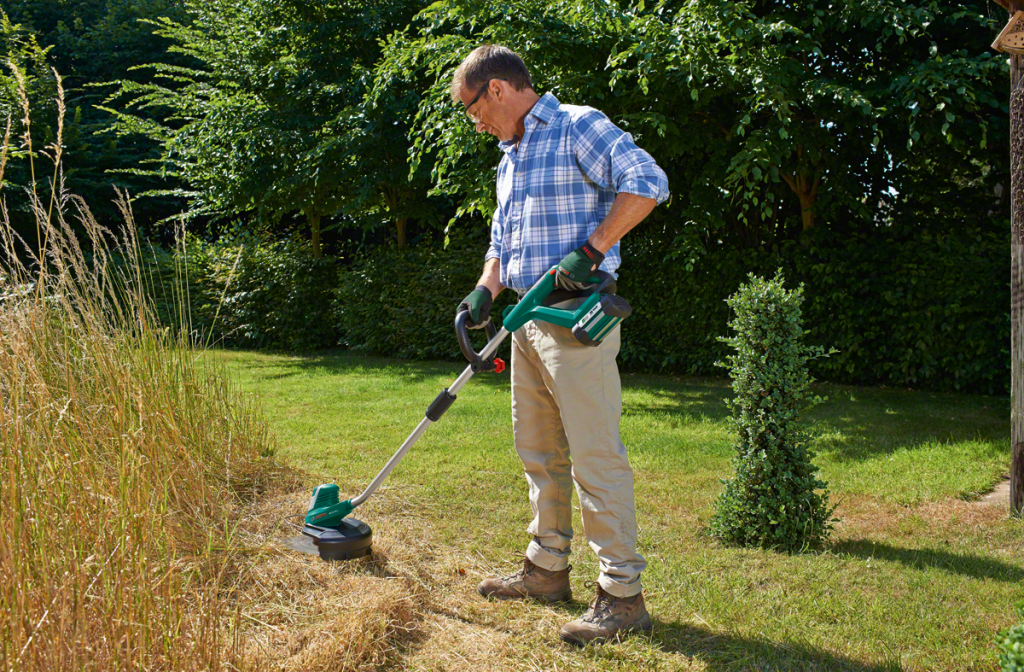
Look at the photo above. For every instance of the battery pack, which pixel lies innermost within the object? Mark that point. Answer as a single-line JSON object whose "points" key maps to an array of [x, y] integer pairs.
{"points": [[601, 319]]}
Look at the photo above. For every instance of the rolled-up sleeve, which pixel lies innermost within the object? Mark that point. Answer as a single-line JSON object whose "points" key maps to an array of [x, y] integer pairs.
{"points": [[609, 157], [497, 229]]}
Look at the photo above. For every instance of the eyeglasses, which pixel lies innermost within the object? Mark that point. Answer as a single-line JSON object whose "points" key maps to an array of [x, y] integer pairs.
{"points": [[473, 117]]}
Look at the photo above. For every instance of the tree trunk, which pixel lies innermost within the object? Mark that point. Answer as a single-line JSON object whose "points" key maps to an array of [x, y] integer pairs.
{"points": [[807, 191], [1016, 295], [401, 232], [314, 222], [807, 210]]}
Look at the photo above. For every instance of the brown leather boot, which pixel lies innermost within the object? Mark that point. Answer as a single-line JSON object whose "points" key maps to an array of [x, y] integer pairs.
{"points": [[530, 581], [607, 618]]}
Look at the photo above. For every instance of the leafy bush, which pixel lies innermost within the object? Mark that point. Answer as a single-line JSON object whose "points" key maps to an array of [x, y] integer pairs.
{"points": [[402, 302], [904, 307], [247, 292], [1011, 646], [773, 500]]}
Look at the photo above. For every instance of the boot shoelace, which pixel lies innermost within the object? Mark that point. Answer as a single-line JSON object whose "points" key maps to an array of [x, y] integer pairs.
{"points": [[521, 573], [601, 608]]}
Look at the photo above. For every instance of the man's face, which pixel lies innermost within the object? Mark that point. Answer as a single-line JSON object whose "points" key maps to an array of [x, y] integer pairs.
{"points": [[486, 107]]}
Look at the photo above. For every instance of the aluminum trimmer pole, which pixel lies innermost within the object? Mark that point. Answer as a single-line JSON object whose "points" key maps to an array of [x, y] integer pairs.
{"points": [[433, 414]]}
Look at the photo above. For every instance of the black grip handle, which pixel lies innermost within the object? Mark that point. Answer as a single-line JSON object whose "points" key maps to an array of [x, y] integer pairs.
{"points": [[462, 334], [605, 283]]}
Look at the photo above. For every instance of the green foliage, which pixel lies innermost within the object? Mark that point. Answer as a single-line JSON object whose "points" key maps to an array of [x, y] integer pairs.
{"points": [[910, 308], [773, 501], [269, 117], [402, 303], [762, 113], [87, 42], [246, 291], [27, 108], [1011, 646]]}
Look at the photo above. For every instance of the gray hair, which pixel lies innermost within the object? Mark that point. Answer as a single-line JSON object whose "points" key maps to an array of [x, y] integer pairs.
{"points": [[487, 62]]}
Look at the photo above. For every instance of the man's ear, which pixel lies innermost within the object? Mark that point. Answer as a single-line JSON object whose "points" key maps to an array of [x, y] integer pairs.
{"points": [[498, 88]]}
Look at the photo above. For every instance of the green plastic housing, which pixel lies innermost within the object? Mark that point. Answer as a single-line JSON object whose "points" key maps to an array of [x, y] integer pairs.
{"points": [[324, 508], [531, 307], [590, 322]]}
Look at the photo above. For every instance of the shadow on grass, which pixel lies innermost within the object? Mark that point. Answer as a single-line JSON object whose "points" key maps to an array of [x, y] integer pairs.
{"points": [[686, 400], [955, 563], [855, 424], [723, 651], [343, 362]]}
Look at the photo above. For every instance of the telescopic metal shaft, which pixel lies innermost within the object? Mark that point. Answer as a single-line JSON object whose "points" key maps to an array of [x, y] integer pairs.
{"points": [[463, 378]]}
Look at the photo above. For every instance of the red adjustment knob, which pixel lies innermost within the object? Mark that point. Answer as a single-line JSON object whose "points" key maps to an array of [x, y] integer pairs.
{"points": [[499, 365]]}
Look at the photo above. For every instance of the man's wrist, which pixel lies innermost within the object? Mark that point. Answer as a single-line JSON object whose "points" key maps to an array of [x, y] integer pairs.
{"points": [[486, 290], [598, 243]]}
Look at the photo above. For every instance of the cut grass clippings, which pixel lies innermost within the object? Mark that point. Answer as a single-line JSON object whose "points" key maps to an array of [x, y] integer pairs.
{"points": [[919, 574]]}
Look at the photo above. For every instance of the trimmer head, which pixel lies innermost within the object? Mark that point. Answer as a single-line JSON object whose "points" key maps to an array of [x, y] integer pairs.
{"points": [[327, 532], [349, 540]]}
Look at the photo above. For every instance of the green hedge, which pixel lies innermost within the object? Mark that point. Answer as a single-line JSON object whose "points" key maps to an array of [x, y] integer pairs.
{"points": [[904, 307], [402, 303], [249, 292]]}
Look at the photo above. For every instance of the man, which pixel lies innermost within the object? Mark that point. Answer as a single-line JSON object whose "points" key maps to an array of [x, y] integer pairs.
{"points": [[570, 185]]}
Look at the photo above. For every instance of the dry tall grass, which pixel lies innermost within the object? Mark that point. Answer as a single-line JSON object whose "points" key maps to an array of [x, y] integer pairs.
{"points": [[123, 462]]}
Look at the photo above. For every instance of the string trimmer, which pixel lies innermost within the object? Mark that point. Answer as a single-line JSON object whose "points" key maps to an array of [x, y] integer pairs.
{"points": [[333, 534]]}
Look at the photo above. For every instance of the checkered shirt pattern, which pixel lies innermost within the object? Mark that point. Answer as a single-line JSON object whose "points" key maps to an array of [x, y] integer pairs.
{"points": [[558, 186]]}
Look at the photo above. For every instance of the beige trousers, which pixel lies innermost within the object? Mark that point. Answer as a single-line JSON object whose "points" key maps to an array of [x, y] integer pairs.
{"points": [[566, 406]]}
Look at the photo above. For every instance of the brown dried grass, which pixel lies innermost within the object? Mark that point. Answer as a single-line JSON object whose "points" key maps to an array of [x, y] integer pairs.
{"points": [[124, 464], [301, 613]]}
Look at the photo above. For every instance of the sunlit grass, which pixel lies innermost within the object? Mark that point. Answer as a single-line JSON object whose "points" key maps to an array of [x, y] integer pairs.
{"points": [[919, 575]]}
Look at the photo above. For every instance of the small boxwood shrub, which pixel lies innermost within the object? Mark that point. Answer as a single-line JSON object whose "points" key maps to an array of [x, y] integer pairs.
{"points": [[774, 500], [1011, 645]]}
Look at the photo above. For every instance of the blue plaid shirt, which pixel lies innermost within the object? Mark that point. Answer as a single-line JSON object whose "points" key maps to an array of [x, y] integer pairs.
{"points": [[559, 185]]}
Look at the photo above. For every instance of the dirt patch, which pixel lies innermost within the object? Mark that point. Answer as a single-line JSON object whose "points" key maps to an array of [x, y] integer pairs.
{"points": [[949, 525], [1000, 495]]}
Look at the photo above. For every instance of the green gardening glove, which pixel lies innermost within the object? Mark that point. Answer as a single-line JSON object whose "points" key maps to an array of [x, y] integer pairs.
{"points": [[478, 303], [575, 269]]}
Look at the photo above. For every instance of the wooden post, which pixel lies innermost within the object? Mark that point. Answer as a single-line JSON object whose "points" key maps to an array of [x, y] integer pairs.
{"points": [[1016, 260], [1016, 276]]}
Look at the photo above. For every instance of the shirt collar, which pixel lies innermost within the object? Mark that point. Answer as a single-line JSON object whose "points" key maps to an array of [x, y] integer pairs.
{"points": [[543, 110]]}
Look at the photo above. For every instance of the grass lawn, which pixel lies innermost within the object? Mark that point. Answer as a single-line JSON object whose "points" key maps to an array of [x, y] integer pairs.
{"points": [[919, 575]]}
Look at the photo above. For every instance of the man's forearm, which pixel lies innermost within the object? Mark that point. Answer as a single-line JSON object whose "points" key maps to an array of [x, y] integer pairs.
{"points": [[490, 276], [627, 211]]}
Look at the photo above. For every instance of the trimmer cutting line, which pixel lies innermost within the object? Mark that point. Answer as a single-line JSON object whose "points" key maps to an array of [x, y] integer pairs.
{"points": [[332, 534]]}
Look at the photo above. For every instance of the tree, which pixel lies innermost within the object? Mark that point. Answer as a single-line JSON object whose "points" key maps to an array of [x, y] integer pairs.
{"points": [[88, 42], [768, 117], [272, 119]]}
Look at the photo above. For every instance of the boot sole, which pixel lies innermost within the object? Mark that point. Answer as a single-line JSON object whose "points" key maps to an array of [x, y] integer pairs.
{"points": [[550, 599], [643, 626]]}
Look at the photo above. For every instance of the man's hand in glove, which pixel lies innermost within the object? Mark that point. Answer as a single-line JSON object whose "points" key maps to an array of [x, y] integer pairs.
{"points": [[478, 303], [577, 266]]}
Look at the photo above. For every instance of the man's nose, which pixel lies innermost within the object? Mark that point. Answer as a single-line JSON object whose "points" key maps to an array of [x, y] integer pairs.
{"points": [[480, 127]]}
